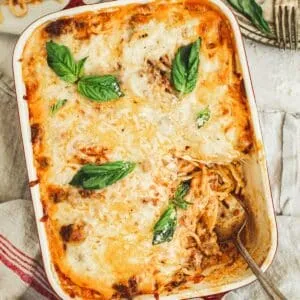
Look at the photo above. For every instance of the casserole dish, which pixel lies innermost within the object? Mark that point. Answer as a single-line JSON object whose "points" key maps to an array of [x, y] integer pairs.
{"points": [[57, 197]]}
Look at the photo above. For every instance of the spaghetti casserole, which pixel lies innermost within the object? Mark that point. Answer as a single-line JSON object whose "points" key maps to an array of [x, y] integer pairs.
{"points": [[140, 129]]}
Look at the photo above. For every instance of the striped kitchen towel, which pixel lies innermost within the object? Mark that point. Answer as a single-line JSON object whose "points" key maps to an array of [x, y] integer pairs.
{"points": [[21, 271]]}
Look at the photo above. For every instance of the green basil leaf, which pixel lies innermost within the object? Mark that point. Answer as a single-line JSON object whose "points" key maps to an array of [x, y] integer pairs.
{"points": [[100, 88], [80, 64], [251, 10], [236, 5], [92, 177], [181, 192], [259, 20], [185, 67], [203, 117], [164, 229], [61, 61], [56, 106]]}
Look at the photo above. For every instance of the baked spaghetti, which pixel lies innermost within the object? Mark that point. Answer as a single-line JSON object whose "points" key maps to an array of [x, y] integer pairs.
{"points": [[179, 140]]}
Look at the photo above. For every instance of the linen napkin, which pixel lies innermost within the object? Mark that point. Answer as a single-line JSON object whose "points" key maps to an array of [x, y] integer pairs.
{"points": [[13, 175], [21, 270]]}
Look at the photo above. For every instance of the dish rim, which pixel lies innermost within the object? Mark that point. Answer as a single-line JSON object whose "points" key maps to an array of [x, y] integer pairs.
{"points": [[29, 157]]}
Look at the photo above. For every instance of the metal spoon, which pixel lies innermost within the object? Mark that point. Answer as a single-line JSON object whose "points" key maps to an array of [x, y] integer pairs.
{"points": [[230, 230]]}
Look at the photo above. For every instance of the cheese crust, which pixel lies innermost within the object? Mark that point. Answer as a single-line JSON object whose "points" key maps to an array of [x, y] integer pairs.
{"points": [[101, 241]]}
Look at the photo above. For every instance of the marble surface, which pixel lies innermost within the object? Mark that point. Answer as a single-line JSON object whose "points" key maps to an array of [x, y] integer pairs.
{"points": [[275, 73]]}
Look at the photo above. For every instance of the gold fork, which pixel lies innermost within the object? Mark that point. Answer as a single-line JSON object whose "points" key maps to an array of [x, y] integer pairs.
{"points": [[286, 23]]}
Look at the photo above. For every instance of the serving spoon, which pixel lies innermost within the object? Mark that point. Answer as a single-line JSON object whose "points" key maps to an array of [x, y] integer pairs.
{"points": [[231, 231]]}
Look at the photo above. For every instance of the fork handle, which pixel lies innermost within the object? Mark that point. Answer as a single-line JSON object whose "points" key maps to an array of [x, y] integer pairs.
{"points": [[270, 289]]}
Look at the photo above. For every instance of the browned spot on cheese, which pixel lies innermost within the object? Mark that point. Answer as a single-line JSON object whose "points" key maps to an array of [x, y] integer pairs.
{"points": [[194, 6], [246, 141], [178, 279], [139, 18], [58, 27], [90, 155], [222, 32], [165, 60], [80, 25], [57, 194], [159, 72], [43, 162], [198, 278], [31, 89], [154, 201], [210, 45], [35, 132], [66, 232], [127, 291], [73, 232], [86, 193]]}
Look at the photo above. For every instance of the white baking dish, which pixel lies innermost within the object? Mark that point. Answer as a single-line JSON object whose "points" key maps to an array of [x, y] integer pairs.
{"points": [[262, 239]]}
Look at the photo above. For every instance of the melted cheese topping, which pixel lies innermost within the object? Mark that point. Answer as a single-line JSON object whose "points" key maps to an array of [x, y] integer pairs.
{"points": [[152, 125]]}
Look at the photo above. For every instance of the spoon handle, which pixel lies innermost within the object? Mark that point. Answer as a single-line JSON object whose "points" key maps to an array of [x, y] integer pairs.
{"points": [[270, 289]]}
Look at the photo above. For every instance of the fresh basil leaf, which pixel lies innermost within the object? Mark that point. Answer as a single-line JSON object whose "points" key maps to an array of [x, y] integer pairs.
{"points": [[181, 192], [261, 23], [80, 64], [56, 106], [100, 88], [203, 117], [251, 10], [254, 12], [61, 61], [164, 229], [92, 177], [185, 67], [236, 5]]}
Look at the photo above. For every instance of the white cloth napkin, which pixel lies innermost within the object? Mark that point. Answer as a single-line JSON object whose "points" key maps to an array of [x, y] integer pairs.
{"points": [[21, 272]]}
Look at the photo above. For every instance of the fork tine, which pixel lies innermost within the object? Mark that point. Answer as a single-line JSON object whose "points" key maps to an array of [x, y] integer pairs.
{"points": [[296, 27], [277, 27], [289, 19], [286, 23], [282, 23]]}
